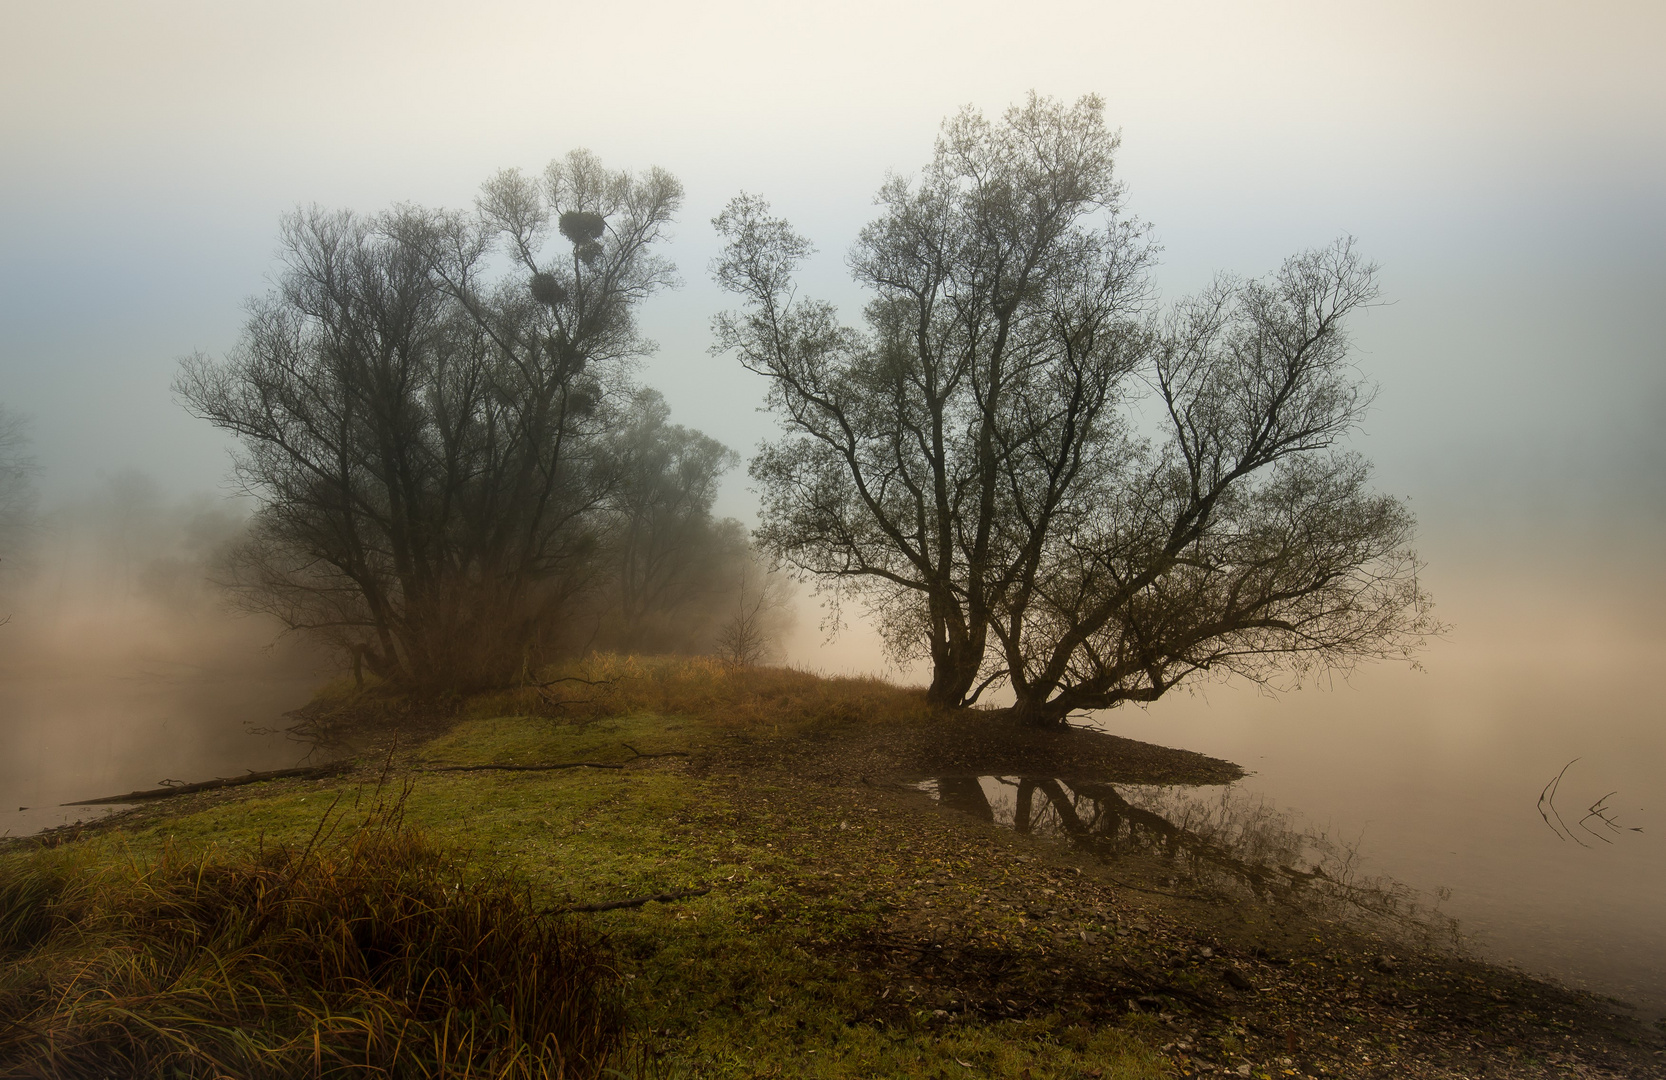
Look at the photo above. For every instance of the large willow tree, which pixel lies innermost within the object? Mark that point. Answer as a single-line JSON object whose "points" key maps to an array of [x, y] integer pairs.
{"points": [[1033, 475]]}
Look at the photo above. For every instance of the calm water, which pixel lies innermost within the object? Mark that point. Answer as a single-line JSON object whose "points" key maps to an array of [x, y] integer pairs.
{"points": [[1436, 776], [76, 739], [90, 708], [1433, 777]]}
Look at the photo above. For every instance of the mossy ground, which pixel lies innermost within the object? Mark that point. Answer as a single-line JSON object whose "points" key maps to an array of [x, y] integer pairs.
{"points": [[852, 929]]}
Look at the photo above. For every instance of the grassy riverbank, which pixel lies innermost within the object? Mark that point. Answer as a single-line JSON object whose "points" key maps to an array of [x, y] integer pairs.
{"points": [[847, 927]]}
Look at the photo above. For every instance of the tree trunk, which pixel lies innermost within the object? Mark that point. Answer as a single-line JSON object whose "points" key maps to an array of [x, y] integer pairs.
{"points": [[1038, 712], [956, 659], [951, 682]]}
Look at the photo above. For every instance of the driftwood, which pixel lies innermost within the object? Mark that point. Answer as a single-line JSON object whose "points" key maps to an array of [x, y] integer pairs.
{"points": [[615, 905], [211, 785]]}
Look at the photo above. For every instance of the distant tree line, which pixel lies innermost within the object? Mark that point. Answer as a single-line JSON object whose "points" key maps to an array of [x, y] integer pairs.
{"points": [[456, 477], [17, 499]]}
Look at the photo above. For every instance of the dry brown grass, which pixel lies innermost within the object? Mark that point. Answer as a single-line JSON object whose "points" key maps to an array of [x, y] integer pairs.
{"points": [[713, 691], [374, 955]]}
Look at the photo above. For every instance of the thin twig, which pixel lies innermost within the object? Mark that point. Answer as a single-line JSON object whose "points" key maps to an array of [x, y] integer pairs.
{"points": [[1547, 798], [1600, 812]]}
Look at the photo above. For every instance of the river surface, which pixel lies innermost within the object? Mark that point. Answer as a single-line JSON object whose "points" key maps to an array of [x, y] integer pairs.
{"points": [[1436, 776], [91, 707], [68, 739]]}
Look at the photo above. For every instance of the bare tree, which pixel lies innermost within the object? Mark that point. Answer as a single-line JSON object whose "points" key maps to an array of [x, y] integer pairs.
{"points": [[423, 431], [1242, 540], [748, 636], [1007, 268], [972, 462]]}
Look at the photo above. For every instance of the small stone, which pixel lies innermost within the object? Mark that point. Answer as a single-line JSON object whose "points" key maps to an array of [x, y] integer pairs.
{"points": [[1243, 1070], [1236, 979], [1386, 965], [1206, 952]]}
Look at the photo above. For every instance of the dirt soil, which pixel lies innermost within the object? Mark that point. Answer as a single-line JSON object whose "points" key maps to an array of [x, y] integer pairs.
{"points": [[1008, 924]]}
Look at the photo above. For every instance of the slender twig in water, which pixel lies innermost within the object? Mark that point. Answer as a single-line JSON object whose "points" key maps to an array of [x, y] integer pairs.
{"points": [[1547, 798], [1601, 813]]}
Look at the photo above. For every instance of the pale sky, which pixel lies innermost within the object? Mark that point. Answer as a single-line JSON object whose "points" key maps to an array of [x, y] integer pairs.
{"points": [[1505, 163]]}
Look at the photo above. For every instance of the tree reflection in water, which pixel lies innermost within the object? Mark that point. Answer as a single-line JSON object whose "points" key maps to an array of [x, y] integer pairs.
{"points": [[1216, 840]]}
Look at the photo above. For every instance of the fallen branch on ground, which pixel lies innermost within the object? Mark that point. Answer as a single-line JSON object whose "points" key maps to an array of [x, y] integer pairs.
{"points": [[493, 766], [615, 905], [210, 785], [575, 678], [662, 753]]}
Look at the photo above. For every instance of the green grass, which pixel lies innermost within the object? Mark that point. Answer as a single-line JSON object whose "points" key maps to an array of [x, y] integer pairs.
{"points": [[766, 975]]}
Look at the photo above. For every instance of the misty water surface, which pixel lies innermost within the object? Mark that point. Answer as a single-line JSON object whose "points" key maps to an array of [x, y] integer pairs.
{"points": [[1436, 775], [119, 673], [69, 738]]}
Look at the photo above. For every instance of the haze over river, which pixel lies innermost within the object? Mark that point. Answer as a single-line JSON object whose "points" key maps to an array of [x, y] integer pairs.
{"points": [[1437, 774], [1434, 775], [103, 704]]}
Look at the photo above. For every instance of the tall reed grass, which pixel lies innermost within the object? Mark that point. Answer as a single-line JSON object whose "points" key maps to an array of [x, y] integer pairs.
{"points": [[369, 955]]}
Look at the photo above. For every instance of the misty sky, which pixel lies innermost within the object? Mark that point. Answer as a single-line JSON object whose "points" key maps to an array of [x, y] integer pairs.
{"points": [[1504, 162]]}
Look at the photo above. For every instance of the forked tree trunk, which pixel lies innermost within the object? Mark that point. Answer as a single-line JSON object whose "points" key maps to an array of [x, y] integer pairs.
{"points": [[956, 659], [1038, 713]]}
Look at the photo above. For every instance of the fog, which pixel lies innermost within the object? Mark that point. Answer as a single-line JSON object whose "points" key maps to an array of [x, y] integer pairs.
{"points": [[123, 665], [1502, 162]]}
